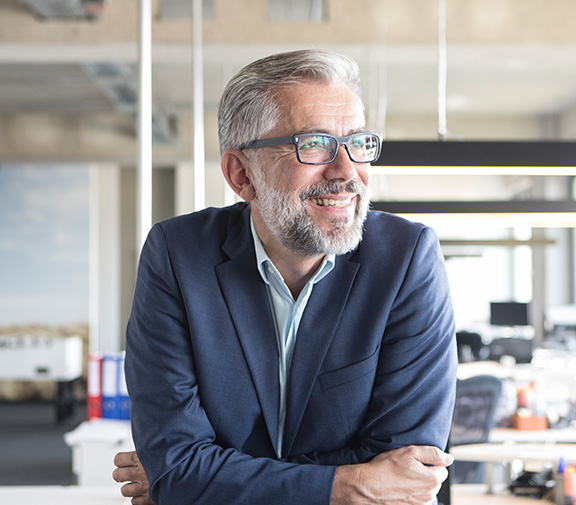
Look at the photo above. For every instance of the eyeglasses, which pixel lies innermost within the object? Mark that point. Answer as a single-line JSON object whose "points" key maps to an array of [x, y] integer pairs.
{"points": [[322, 148]]}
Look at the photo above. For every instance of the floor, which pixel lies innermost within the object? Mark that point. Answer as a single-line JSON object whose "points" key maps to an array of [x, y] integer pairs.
{"points": [[32, 447]]}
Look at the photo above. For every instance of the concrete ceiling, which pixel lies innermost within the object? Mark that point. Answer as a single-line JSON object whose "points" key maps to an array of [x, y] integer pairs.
{"points": [[512, 58], [480, 80]]}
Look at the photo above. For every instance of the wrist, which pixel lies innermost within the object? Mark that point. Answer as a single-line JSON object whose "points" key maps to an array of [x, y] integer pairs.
{"points": [[345, 489]]}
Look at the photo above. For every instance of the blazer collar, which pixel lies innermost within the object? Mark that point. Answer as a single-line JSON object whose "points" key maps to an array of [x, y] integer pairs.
{"points": [[247, 300]]}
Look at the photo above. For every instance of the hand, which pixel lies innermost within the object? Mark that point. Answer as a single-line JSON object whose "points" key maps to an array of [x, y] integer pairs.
{"points": [[411, 475], [130, 470]]}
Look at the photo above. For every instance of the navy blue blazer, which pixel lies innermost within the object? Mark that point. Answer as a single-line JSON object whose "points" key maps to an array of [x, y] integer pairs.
{"points": [[373, 368]]}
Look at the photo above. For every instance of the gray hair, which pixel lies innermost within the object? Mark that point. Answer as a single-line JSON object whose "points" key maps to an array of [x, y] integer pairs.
{"points": [[247, 109]]}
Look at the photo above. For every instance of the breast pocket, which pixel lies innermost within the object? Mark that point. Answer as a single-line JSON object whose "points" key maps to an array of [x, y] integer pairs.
{"points": [[350, 373]]}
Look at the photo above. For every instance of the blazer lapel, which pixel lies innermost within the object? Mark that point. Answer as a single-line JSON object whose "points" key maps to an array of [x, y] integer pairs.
{"points": [[316, 331], [247, 300]]}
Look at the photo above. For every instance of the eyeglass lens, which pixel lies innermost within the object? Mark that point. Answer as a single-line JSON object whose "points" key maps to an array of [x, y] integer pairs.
{"points": [[362, 148]]}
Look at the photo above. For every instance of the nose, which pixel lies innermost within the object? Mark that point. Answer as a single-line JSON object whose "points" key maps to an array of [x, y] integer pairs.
{"points": [[342, 168]]}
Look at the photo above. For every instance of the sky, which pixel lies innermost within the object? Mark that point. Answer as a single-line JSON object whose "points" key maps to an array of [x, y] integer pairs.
{"points": [[44, 230]]}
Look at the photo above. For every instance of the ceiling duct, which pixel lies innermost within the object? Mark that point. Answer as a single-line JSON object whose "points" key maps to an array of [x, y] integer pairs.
{"points": [[66, 9], [118, 84], [182, 9], [297, 10]]}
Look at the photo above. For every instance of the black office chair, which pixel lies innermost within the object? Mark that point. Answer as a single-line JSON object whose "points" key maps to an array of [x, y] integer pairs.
{"points": [[520, 348], [476, 402], [470, 347]]}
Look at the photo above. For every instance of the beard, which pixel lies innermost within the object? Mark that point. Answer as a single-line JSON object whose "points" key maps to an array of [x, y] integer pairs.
{"points": [[292, 226]]}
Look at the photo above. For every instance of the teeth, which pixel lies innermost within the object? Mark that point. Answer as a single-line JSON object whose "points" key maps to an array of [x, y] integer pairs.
{"points": [[325, 202]]}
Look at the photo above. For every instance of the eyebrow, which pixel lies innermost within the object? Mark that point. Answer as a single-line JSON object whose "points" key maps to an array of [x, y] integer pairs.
{"points": [[320, 130]]}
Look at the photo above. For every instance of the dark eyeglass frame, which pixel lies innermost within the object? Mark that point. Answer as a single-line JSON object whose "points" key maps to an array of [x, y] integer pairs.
{"points": [[295, 139]]}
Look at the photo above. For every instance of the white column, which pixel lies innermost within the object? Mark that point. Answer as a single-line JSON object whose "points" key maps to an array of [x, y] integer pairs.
{"points": [[144, 217], [104, 311], [184, 188], [198, 106]]}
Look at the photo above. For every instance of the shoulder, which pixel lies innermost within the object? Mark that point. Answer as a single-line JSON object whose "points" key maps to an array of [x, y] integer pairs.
{"points": [[203, 231], [380, 219], [383, 228], [211, 219], [394, 241]]}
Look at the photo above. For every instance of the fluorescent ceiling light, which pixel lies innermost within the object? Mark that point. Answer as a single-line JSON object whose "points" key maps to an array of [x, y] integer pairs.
{"points": [[507, 220], [533, 213]]}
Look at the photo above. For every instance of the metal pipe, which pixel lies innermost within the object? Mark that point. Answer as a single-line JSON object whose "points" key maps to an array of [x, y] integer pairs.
{"points": [[198, 106], [144, 215], [442, 70]]}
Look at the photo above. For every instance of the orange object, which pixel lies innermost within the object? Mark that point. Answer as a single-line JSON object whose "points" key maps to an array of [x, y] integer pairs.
{"points": [[570, 481], [531, 422], [522, 394]]}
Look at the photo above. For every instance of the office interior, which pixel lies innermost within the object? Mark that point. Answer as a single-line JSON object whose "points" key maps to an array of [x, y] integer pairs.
{"points": [[498, 76]]}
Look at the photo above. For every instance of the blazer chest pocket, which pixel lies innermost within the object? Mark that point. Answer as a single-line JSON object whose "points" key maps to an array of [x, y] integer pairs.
{"points": [[349, 373]]}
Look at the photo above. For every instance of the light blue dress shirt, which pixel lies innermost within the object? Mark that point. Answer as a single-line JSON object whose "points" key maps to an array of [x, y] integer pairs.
{"points": [[287, 314]]}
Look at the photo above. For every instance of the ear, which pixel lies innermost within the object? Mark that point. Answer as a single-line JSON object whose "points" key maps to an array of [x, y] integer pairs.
{"points": [[233, 165]]}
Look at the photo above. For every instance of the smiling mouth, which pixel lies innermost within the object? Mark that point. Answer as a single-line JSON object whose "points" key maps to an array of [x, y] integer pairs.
{"points": [[329, 202]]}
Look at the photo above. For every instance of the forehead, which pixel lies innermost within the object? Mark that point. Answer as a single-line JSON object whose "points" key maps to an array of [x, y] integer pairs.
{"points": [[311, 106]]}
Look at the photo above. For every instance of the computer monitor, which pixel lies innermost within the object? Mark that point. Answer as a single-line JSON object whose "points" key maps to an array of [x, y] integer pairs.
{"points": [[508, 314]]}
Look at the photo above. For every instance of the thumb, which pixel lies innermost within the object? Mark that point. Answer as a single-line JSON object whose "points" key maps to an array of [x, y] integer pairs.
{"points": [[432, 456]]}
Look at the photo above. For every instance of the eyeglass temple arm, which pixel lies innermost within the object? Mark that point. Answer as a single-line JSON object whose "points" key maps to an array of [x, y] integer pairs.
{"points": [[277, 141]]}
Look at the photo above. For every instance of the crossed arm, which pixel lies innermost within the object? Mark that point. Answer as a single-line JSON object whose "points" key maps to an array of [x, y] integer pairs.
{"points": [[410, 475]]}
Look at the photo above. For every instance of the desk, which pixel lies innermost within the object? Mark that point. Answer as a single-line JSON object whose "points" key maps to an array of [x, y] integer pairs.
{"points": [[43, 358], [94, 444], [508, 452], [563, 435], [476, 494], [490, 453], [62, 495], [462, 494]]}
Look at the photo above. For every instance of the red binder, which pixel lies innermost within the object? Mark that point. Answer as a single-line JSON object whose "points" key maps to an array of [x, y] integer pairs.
{"points": [[94, 393]]}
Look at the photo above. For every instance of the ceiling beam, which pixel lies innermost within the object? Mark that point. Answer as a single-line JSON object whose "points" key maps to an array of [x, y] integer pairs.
{"points": [[478, 154], [478, 207]]}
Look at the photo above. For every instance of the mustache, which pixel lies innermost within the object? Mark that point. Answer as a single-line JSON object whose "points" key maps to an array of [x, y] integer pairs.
{"points": [[333, 188]]}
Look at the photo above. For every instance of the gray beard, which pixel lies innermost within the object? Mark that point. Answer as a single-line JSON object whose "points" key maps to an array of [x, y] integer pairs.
{"points": [[292, 227]]}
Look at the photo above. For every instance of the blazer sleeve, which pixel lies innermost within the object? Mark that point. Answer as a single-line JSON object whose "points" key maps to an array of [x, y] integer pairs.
{"points": [[413, 393], [173, 436]]}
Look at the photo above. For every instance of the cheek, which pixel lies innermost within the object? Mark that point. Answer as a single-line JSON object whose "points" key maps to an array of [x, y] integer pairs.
{"points": [[300, 182], [365, 174], [288, 176]]}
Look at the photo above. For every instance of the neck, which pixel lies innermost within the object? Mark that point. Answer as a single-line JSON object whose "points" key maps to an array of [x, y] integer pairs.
{"points": [[296, 271], [294, 268]]}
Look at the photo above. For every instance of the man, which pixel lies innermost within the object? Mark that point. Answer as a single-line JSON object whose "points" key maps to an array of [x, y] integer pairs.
{"points": [[293, 348]]}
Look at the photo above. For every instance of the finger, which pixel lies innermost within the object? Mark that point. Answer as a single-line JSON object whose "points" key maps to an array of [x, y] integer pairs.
{"points": [[431, 474], [432, 456], [439, 472], [126, 459], [133, 489], [142, 500], [127, 474]]}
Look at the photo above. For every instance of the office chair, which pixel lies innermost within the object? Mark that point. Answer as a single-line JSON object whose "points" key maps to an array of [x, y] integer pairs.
{"points": [[520, 348], [470, 347], [474, 411]]}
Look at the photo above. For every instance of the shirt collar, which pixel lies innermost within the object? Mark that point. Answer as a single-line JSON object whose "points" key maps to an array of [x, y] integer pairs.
{"points": [[262, 260]]}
